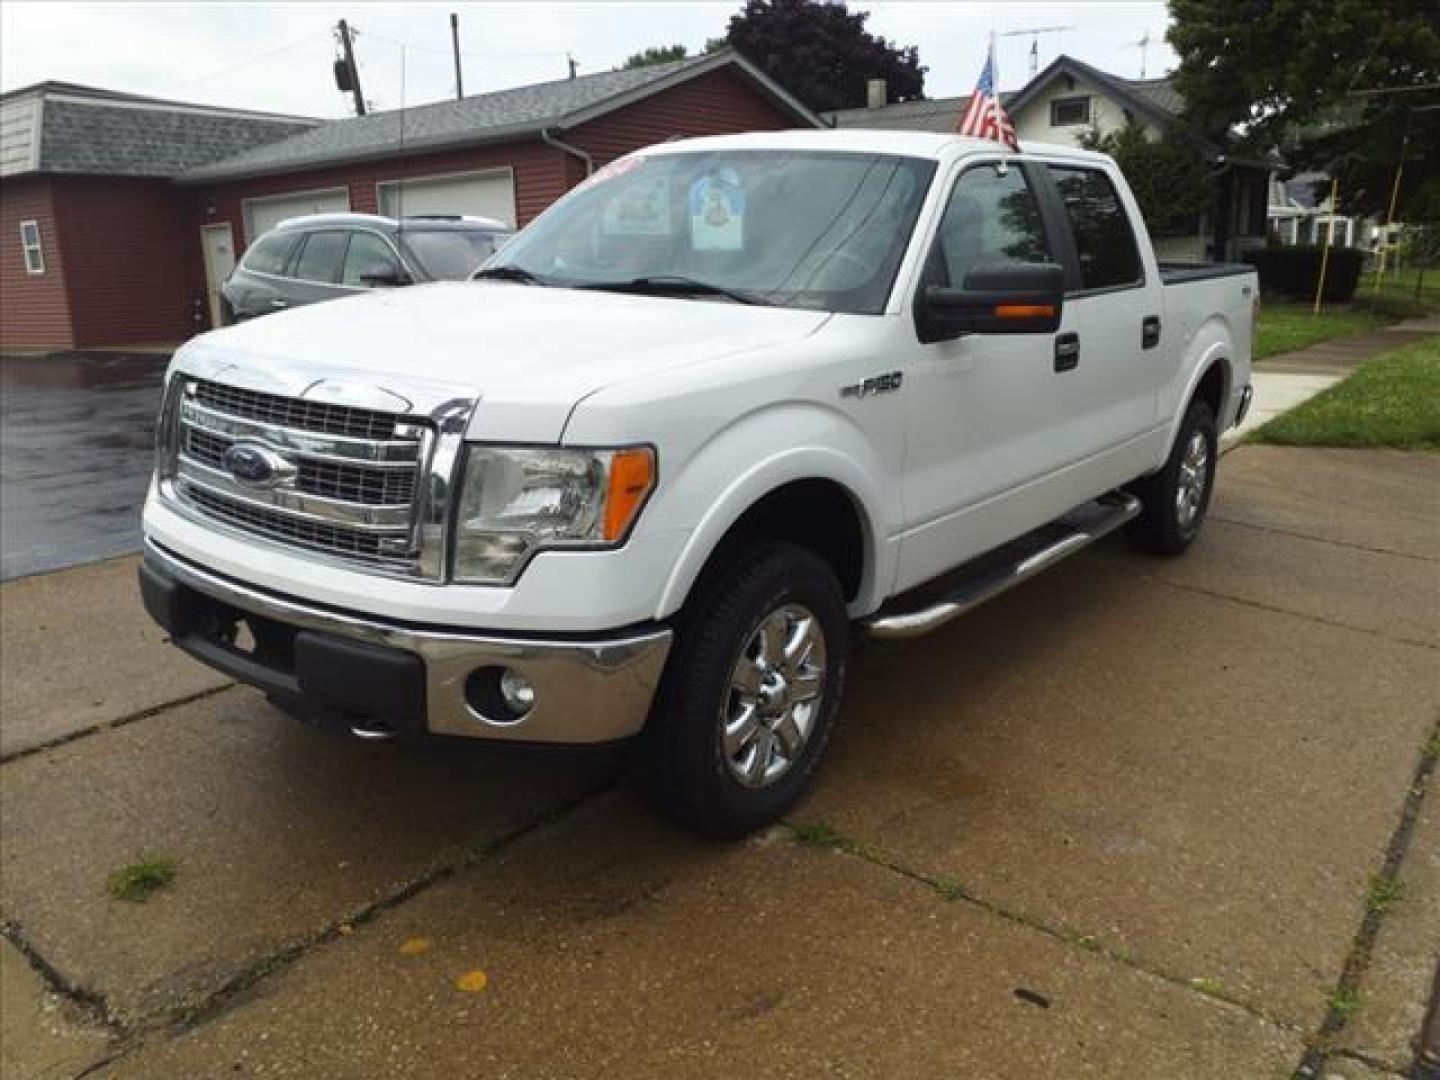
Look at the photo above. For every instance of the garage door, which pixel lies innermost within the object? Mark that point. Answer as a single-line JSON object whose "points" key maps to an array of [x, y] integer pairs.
{"points": [[262, 215], [488, 194]]}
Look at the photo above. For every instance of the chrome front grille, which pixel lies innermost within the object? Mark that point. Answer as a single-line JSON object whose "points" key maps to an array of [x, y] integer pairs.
{"points": [[335, 479], [297, 413]]}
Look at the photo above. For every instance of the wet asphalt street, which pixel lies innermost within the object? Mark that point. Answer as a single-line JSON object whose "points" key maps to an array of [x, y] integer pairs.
{"points": [[77, 433]]}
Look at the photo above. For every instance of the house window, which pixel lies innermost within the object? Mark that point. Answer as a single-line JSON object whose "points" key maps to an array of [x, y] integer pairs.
{"points": [[30, 242], [1068, 111]]}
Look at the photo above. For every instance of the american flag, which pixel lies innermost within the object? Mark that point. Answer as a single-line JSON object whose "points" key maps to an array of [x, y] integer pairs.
{"points": [[983, 117]]}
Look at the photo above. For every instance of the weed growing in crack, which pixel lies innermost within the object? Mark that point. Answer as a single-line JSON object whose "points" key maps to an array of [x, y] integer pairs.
{"points": [[1208, 987], [139, 880], [1343, 1001], [818, 834], [1385, 892]]}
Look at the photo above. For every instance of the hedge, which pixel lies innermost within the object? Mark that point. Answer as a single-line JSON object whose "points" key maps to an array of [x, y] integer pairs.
{"points": [[1295, 271]]}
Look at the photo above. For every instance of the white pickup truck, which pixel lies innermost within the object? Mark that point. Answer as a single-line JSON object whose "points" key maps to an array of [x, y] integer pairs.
{"points": [[729, 404]]}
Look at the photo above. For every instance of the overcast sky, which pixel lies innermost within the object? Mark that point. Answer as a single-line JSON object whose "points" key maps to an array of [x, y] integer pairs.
{"points": [[278, 56]]}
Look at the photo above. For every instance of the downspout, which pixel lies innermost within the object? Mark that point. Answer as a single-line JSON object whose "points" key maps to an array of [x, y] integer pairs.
{"points": [[573, 151]]}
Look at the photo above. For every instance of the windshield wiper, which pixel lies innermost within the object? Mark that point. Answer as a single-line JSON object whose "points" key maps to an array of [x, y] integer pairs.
{"points": [[673, 283], [511, 272]]}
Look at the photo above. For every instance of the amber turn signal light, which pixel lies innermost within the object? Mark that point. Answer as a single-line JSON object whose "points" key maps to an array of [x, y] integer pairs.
{"points": [[632, 476]]}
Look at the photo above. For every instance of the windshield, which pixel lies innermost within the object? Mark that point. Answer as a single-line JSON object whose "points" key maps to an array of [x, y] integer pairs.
{"points": [[796, 229], [450, 254]]}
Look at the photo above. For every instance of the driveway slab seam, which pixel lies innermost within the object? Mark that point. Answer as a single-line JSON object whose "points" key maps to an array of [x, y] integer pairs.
{"points": [[191, 1016], [1274, 610], [1325, 540], [118, 722], [820, 835], [1357, 957], [90, 1003]]}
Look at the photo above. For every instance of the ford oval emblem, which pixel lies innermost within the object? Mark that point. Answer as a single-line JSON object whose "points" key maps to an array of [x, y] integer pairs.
{"points": [[256, 466]]}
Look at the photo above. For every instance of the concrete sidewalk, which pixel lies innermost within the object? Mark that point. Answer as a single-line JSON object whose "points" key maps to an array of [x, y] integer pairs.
{"points": [[1284, 381], [1122, 822]]}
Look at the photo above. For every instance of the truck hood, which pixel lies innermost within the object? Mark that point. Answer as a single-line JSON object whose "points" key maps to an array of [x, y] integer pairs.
{"points": [[528, 353]]}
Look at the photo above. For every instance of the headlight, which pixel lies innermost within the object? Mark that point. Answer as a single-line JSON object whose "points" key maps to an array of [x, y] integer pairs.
{"points": [[517, 500]]}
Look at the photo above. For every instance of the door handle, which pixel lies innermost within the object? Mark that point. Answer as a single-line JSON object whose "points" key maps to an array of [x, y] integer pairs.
{"points": [[1150, 331], [1067, 352], [279, 303]]}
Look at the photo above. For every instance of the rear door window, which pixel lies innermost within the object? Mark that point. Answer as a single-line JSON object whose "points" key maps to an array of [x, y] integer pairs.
{"points": [[1104, 239], [269, 254], [319, 260], [368, 256]]}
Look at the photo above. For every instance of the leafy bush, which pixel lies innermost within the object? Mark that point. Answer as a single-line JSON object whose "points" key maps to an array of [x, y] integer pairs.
{"points": [[1166, 175], [1295, 271]]}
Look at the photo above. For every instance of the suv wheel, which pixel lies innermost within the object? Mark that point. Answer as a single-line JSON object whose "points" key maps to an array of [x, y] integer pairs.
{"points": [[751, 693]]}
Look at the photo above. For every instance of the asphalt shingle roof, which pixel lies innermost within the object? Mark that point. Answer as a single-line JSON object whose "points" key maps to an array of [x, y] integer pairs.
{"points": [[107, 140], [934, 114], [496, 115]]}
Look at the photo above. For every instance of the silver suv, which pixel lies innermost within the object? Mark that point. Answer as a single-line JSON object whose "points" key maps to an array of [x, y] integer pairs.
{"points": [[326, 256]]}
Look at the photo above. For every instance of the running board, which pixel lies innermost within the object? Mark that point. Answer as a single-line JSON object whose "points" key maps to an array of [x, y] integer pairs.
{"points": [[1002, 569]]}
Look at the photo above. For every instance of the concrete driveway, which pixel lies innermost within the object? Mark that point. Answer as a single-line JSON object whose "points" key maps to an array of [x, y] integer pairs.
{"points": [[1139, 818]]}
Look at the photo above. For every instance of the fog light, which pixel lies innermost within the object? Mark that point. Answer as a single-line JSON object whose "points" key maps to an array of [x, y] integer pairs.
{"points": [[499, 695], [517, 691]]}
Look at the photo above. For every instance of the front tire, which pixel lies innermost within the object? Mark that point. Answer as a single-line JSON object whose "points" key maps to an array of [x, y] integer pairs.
{"points": [[1175, 499], [751, 694]]}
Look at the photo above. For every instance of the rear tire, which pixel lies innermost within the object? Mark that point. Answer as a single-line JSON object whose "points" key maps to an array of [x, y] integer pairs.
{"points": [[1176, 498], [751, 693]]}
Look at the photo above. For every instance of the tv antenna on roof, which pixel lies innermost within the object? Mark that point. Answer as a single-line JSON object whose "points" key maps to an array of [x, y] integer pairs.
{"points": [[1034, 33], [1144, 46]]}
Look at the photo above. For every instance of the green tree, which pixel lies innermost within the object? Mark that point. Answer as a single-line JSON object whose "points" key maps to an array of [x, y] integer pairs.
{"points": [[822, 53], [1296, 74], [656, 54], [1166, 174]]}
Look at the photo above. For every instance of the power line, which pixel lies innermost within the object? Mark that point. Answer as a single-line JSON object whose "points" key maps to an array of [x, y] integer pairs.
{"points": [[243, 63], [449, 52]]}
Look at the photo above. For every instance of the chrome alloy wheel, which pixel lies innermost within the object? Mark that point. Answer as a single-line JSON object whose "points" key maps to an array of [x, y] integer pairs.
{"points": [[775, 696], [1190, 484]]}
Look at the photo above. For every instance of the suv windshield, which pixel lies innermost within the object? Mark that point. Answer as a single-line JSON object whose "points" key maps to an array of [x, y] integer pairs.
{"points": [[450, 254], [795, 229]]}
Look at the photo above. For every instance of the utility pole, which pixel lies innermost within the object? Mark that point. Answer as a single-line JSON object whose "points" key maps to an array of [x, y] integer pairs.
{"points": [[351, 70], [455, 45]]}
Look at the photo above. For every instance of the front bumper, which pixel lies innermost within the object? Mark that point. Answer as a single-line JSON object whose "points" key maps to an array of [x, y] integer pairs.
{"points": [[410, 678]]}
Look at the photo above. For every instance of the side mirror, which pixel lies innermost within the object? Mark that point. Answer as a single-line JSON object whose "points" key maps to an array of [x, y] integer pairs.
{"points": [[386, 279], [1002, 298]]}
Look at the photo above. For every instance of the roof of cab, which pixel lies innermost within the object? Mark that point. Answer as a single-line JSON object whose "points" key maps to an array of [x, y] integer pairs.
{"points": [[922, 144]]}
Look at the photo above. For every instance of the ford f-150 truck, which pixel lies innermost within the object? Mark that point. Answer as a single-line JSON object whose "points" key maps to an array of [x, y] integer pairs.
{"points": [[728, 405]]}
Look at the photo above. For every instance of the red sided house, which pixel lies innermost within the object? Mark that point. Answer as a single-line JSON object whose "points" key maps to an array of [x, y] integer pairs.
{"points": [[121, 216]]}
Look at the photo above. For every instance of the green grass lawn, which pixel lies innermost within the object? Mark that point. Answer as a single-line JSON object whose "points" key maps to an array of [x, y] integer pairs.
{"points": [[1393, 400], [1285, 327]]}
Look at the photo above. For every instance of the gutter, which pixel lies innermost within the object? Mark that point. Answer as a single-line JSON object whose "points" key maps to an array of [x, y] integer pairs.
{"points": [[568, 148]]}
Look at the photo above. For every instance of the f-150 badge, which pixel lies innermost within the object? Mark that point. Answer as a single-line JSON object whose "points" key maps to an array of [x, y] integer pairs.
{"points": [[876, 384]]}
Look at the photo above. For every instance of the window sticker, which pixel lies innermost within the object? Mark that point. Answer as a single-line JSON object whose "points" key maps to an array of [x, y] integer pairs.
{"points": [[717, 212], [642, 209], [617, 168]]}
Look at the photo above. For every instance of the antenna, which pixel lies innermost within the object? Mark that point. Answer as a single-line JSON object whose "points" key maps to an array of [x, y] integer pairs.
{"points": [[1143, 45], [400, 158], [1034, 33]]}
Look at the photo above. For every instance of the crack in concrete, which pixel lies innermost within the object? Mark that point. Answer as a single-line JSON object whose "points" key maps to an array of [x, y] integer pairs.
{"points": [[118, 722], [187, 1017], [89, 1003], [1277, 610], [1374, 1064], [823, 836], [1357, 958], [1324, 540]]}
